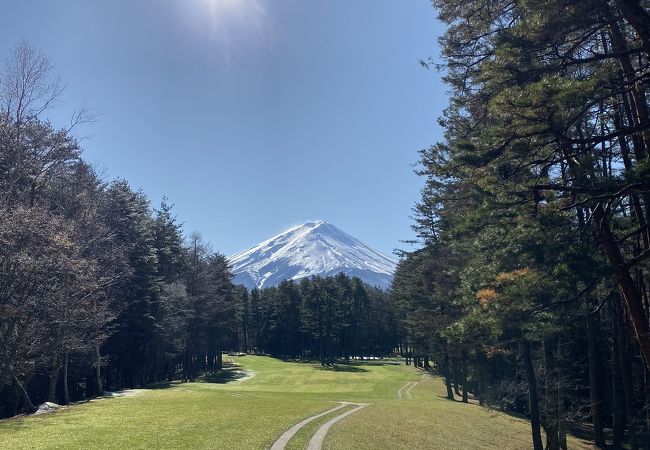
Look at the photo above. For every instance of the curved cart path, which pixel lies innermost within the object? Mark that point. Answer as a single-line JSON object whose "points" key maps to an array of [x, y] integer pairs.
{"points": [[287, 435], [317, 440], [408, 386], [406, 389]]}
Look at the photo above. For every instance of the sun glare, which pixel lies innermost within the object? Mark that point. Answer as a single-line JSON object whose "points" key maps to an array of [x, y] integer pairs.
{"points": [[223, 6], [230, 21]]}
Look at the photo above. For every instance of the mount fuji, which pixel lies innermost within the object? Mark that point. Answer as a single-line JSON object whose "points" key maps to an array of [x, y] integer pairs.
{"points": [[310, 249]]}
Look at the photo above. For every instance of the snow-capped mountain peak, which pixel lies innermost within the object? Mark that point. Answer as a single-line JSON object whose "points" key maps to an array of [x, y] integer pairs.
{"points": [[313, 248]]}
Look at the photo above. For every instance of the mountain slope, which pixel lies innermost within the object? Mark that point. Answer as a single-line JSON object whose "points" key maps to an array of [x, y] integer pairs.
{"points": [[313, 248]]}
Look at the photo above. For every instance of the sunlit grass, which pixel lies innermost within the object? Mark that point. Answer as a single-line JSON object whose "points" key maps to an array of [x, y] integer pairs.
{"points": [[430, 421], [301, 438], [251, 414]]}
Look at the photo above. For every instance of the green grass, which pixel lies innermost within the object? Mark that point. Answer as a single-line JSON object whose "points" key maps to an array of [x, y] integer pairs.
{"points": [[430, 421], [301, 439], [251, 414]]}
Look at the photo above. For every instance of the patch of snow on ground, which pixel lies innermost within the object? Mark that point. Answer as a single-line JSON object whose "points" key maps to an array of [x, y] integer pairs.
{"points": [[47, 407], [248, 375], [124, 393]]}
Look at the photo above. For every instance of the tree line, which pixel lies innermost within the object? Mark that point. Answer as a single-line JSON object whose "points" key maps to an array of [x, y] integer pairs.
{"points": [[530, 290], [325, 319], [98, 290]]}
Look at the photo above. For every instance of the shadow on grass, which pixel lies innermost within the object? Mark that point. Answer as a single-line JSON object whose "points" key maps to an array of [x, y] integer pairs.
{"points": [[12, 424], [580, 431], [223, 376], [376, 362], [354, 365], [583, 431], [162, 385], [342, 368], [337, 367]]}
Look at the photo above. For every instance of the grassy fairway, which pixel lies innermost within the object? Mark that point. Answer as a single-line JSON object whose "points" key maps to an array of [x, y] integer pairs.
{"points": [[430, 421], [251, 414]]}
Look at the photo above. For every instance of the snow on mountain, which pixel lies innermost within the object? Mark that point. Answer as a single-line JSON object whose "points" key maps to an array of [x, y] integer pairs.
{"points": [[313, 248]]}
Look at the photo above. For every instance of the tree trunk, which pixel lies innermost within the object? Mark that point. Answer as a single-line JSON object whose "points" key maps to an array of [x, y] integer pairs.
{"points": [[98, 370], [637, 16], [66, 391], [246, 348], [550, 380], [186, 366], [464, 380], [29, 406], [618, 398], [219, 360], [595, 387], [12, 399], [561, 426], [482, 368], [633, 298], [626, 373], [446, 364], [533, 399], [639, 109], [646, 390], [54, 378]]}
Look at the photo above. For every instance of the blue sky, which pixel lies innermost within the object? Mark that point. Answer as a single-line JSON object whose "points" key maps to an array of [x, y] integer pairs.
{"points": [[250, 115]]}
